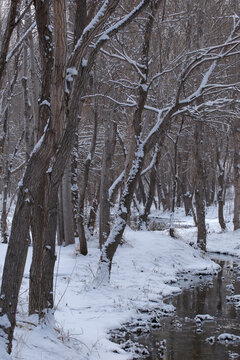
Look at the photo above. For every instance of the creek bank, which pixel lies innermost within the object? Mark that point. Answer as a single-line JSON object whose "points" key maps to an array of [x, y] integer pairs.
{"points": [[201, 323]]}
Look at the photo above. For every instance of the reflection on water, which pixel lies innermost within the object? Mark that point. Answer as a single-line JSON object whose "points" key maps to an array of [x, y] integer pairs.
{"points": [[185, 337]]}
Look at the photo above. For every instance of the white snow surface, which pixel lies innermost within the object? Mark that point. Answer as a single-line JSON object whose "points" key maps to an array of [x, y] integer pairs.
{"points": [[145, 270]]}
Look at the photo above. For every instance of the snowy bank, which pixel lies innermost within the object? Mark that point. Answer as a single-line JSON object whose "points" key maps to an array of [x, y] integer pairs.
{"points": [[146, 269]]}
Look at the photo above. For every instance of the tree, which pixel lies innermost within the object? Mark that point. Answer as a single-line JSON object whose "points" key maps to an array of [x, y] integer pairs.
{"points": [[180, 103], [50, 155]]}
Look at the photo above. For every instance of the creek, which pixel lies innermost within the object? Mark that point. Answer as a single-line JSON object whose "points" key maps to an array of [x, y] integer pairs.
{"points": [[205, 325]]}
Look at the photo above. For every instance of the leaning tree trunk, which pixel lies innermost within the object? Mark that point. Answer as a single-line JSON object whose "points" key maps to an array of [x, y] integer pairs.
{"points": [[3, 138], [134, 162], [18, 243], [6, 180]]}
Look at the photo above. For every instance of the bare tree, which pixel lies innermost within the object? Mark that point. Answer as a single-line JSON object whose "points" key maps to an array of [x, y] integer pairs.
{"points": [[54, 145]]}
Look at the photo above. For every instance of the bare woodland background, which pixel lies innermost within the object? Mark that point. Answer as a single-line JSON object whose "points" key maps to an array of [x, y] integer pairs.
{"points": [[108, 108]]}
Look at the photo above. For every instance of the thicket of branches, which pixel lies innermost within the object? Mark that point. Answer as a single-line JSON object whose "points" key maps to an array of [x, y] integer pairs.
{"points": [[108, 108]]}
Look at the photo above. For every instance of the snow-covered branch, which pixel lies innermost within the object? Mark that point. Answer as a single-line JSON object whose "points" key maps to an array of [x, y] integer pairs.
{"points": [[19, 43]]}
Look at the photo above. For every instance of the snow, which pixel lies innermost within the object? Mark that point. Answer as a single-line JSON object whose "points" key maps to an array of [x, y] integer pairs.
{"points": [[84, 62], [115, 183], [4, 321], [10, 54], [45, 102], [145, 271], [226, 338], [93, 23], [74, 187], [70, 73], [117, 25], [203, 317]]}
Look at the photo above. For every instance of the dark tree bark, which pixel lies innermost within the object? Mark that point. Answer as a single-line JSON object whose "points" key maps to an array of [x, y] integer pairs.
{"points": [[105, 206], [68, 223], [74, 183], [165, 193], [80, 18], [6, 180], [143, 218], [83, 188], [93, 210], [199, 190], [38, 165], [175, 180], [236, 165], [4, 137], [221, 186], [11, 23], [141, 196], [134, 162], [60, 228], [45, 37], [38, 223]]}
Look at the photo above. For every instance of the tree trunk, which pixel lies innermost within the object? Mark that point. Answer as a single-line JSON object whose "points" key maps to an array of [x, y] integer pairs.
{"points": [[74, 183], [143, 218], [187, 200], [49, 257], [220, 194], [141, 196], [38, 236], [60, 227], [93, 210], [220, 200], [134, 162], [199, 191], [83, 188], [165, 193], [4, 228], [28, 129], [104, 214], [50, 147], [175, 180], [10, 25], [236, 165], [14, 266], [68, 223], [38, 220]]}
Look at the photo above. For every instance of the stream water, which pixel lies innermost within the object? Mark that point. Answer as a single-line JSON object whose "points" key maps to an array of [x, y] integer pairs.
{"points": [[186, 336]]}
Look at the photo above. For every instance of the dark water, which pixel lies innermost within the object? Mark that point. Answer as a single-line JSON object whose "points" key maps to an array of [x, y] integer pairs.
{"points": [[181, 337]]}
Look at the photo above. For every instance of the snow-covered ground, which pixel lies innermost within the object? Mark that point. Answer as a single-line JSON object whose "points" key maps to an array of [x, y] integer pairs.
{"points": [[146, 269]]}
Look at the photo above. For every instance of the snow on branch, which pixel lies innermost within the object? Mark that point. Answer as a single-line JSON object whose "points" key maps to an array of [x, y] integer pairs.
{"points": [[112, 30], [183, 105], [93, 24], [152, 163], [114, 185], [130, 103], [18, 44], [124, 57]]}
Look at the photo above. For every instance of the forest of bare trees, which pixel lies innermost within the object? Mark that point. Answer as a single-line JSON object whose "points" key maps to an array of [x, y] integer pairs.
{"points": [[109, 108]]}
